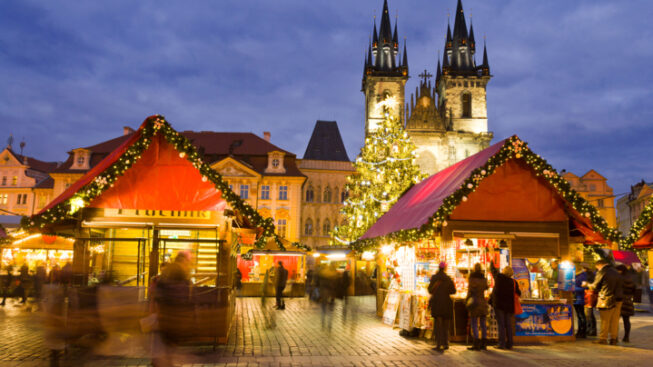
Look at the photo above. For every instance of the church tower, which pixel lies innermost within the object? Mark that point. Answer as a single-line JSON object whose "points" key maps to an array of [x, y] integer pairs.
{"points": [[461, 84], [385, 72]]}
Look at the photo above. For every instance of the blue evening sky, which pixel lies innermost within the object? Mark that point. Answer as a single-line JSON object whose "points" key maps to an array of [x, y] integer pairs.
{"points": [[570, 77]]}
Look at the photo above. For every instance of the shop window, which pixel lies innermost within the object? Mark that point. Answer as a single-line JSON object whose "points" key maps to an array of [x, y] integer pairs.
{"points": [[14, 181], [265, 192], [467, 105], [310, 194], [327, 195], [281, 228], [283, 192], [326, 227], [4, 180], [244, 191], [308, 227]]}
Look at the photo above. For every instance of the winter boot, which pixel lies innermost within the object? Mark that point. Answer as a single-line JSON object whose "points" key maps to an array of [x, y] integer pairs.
{"points": [[475, 345]]}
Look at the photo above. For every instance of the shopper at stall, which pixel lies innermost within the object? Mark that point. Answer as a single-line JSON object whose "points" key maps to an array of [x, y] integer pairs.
{"points": [[503, 300], [627, 306], [590, 302], [579, 301], [441, 287], [477, 307], [23, 278], [6, 284], [609, 285], [280, 284]]}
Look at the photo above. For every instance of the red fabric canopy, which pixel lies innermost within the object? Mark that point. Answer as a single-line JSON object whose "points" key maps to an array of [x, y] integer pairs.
{"points": [[645, 239], [625, 257], [415, 207], [161, 180]]}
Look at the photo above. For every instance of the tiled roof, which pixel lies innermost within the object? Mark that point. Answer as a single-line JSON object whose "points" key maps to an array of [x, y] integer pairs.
{"points": [[326, 143]]}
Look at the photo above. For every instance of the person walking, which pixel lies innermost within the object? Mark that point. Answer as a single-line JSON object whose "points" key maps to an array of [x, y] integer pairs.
{"points": [[627, 306], [503, 300], [6, 285], [477, 307], [590, 302], [280, 283], [441, 287], [608, 285], [579, 302]]}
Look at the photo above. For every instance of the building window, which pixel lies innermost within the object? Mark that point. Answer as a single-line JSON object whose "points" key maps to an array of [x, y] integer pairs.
{"points": [[283, 192], [14, 181], [80, 160], [326, 227], [4, 198], [265, 192], [18, 198], [24, 198], [4, 180], [231, 187], [275, 163], [244, 191], [467, 105], [281, 228], [343, 196], [327, 195], [592, 187], [310, 194], [308, 227], [600, 203]]}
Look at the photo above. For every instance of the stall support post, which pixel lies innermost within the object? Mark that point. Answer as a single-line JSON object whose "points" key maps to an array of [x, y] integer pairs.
{"points": [[224, 253], [154, 254]]}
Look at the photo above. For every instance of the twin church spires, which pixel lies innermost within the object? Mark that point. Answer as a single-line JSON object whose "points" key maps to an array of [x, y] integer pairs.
{"points": [[446, 120]]}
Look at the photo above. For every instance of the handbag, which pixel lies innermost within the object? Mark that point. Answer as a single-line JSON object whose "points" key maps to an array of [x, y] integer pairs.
{"points": [[518, 309], [470, 303]]}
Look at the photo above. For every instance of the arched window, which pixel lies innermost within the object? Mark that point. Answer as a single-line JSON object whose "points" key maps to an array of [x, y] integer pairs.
{"points": [[310, 194], [326, 227], [327, 195], [308, 227], [467, 105]]}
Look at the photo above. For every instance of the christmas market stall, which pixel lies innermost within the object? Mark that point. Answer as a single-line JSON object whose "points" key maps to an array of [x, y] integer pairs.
{"points": [[254, 263], [504, 205], [151, 198], [37, 249], [640, 239]]}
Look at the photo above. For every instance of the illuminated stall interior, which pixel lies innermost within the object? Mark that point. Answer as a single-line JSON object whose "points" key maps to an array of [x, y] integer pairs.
{"points": [[37, 249]]}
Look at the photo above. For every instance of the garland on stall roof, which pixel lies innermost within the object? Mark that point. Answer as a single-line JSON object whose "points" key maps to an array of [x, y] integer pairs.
{"points": [[512, 148], [636, 231], [153, 125]]}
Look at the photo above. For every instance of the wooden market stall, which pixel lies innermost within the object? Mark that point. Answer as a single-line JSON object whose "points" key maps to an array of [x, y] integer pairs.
{"points": [[503, 205], [136, 209]]}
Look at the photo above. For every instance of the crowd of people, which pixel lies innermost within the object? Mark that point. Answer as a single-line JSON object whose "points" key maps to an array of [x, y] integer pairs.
{"points": [[29, 282], [610, 290]]}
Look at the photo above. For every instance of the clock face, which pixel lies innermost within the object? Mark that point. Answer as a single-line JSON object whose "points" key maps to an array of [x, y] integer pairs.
{"points": [[275, 163]]}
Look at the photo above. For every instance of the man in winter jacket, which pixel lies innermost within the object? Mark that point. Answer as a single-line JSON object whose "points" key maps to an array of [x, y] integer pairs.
{"points": [[579, 302], [441, 288], [280, 282], [503, 301], [608, 283]]}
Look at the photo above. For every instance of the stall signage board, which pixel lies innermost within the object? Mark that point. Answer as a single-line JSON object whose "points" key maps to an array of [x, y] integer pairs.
{"points": [[404, 312], [545, 320], [392, 304], [522, 276], [567, 278]]}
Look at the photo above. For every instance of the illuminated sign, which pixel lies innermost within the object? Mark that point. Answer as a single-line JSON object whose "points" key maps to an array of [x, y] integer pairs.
{"points": [[171, 214]]}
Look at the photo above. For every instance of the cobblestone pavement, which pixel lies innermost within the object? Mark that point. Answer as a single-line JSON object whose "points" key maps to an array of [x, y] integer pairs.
{"points": [[297, 337]]}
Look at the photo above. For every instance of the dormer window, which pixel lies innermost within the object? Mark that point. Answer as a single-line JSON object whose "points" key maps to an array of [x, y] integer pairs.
{"points": [[275, 162], [81, 159]]}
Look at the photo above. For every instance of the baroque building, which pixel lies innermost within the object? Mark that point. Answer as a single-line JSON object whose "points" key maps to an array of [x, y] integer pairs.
{"points": [[631, 205], [326, 165], [446, 120], [593, 187]]}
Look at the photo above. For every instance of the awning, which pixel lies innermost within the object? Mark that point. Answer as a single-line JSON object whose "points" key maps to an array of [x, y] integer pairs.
{"points": [[646, 241], [625, 257]]}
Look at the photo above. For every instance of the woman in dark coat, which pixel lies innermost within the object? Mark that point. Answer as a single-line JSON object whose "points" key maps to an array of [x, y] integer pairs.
{"points": [[503, 301], [627, 307], [441, 288], [477, 306]]}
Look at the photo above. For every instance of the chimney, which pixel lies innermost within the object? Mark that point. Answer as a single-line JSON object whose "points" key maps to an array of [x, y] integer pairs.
{"points": [[127, 130], [266, 136]]}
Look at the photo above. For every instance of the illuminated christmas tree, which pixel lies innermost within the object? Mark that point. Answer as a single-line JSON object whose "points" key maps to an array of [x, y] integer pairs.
{"points": [[385, 169]]}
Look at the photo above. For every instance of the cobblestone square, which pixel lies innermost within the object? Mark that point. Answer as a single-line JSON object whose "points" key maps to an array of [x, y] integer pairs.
{"points": [[297, 336]]}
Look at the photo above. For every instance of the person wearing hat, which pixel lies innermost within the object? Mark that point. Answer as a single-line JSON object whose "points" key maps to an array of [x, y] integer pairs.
{"points": [[608, 283], [441, 288], [503, 300]]}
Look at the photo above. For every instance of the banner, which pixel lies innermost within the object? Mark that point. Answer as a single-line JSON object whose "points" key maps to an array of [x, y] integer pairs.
{"points": [[545, 320], [522, 276]]}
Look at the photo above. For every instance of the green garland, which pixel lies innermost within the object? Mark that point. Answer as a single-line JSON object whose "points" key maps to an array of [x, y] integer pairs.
{"points": [[512, 148], [153, 125], [636, 230]]}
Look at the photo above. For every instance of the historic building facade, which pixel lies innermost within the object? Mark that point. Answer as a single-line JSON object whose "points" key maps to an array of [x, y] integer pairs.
{"points": [[631, 205], [446, 121], [593, 187], [326, 165]]}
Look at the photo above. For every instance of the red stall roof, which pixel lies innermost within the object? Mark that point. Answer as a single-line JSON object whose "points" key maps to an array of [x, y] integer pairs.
{"points": [[506, 187], [625, 257]]}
